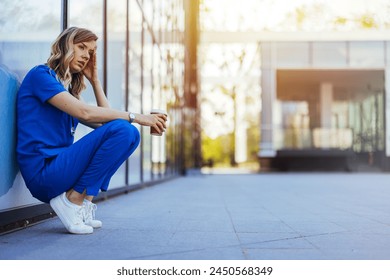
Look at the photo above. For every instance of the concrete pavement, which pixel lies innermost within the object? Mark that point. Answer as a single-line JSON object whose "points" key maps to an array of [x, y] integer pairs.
{"points": [[247, 216]]}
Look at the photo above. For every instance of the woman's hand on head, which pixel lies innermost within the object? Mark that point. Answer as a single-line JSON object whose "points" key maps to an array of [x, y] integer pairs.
{"points": [[90, 70]]}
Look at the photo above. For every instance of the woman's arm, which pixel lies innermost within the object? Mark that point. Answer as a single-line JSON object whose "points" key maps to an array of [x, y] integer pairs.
{"points": [[91, 125], [91, 73], [93, 114], [101, 99]]}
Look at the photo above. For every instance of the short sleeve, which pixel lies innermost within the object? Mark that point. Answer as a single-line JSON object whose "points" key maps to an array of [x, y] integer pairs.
{"points": [[45, 83]]}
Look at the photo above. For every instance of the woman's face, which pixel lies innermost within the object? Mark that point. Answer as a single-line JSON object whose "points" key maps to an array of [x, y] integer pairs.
{"points": [[82, 53]]}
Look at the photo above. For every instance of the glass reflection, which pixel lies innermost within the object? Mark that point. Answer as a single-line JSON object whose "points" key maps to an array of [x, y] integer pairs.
{"points": [[27, 30]]}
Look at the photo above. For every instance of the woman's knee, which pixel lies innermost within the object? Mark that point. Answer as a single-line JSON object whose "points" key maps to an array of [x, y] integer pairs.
{"points": [[134, 134], [126, 130]]}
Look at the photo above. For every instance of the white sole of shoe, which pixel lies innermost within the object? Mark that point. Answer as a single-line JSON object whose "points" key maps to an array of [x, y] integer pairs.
{"points": [[57, 205]]}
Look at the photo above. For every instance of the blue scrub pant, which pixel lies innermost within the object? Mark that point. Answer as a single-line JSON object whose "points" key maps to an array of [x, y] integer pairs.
{"points": [[88, 164]]}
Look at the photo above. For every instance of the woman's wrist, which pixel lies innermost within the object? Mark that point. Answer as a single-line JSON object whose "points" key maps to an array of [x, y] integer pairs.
{"points": [[133, 117], [94, 82]]}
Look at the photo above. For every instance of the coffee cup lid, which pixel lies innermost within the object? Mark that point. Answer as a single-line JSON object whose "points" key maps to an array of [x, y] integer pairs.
{"points": [[158, 111]]}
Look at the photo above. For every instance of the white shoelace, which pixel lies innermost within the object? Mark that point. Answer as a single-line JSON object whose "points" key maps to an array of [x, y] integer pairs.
{"points": [[80, 213], [90, 211]]}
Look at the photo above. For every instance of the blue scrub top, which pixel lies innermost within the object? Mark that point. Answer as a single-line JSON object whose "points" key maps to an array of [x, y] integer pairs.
{"points": [[43, 131]]}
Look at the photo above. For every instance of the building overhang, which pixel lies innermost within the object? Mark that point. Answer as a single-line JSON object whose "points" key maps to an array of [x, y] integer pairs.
{"points": [[223, 37]]}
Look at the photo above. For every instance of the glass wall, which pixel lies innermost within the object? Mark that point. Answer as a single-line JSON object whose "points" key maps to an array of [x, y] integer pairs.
{"points": [[147, 90], [329, 54], [135, 82], [367, 54], [294, 54], [116, 67], [331, 98], [366, 117], [27, 29], [141, 64]]}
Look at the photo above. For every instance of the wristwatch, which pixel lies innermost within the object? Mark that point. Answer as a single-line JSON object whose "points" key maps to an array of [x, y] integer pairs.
{"points": [[131, 117]]}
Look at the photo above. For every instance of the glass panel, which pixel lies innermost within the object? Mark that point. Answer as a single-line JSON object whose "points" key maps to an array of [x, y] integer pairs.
{"points": [[180, 16], [292, 54], [294, 130], [380, 125], [147, 53], [292, 125], [148, 8], [167, 99], [158, 18], [87, 14], [135, 23], [27, 30], [351, 118], [387, 45], [329, 54], [116, 51], [166, 18], [367, 54], [178, 92], [158, 102], [83, 13]]}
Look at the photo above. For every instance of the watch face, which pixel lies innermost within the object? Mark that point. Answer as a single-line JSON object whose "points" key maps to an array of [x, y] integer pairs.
{"points": [[132, 117]]}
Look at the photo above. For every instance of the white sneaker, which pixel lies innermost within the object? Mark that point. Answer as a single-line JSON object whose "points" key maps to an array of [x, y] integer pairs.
{"points": [[71, 215], [89, 215]]}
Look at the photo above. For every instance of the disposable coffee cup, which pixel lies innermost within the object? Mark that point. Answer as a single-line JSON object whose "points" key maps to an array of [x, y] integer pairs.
{"points": [[153, 131]]}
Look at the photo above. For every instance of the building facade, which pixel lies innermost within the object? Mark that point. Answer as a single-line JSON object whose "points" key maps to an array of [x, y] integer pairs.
{"points": [[324, 102]]}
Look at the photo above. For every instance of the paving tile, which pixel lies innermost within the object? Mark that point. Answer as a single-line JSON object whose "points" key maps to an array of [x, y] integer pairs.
{"points": [[284, 254], [206, 225], [310, 228], [226, 253], [203, 240], [346, 242], [248, 225], [273, 240]]}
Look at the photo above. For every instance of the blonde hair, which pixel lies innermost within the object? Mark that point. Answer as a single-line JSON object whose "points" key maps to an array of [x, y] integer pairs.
{"points": [[62, 53]]}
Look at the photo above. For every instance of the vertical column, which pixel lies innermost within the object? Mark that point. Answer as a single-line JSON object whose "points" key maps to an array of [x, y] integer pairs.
{"points": [[268, 92], [323, 136], [127, 81], [326, 99], [191, 87], [241, 128], [105, 47], [64, 14], [387, 110]]}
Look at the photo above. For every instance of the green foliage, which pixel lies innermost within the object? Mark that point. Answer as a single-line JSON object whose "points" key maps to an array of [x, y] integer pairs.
{"points": [[253, 136], [221, 149], [217, 150], [364, 21], [367, 21], [340, 21], [300, 15]]}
